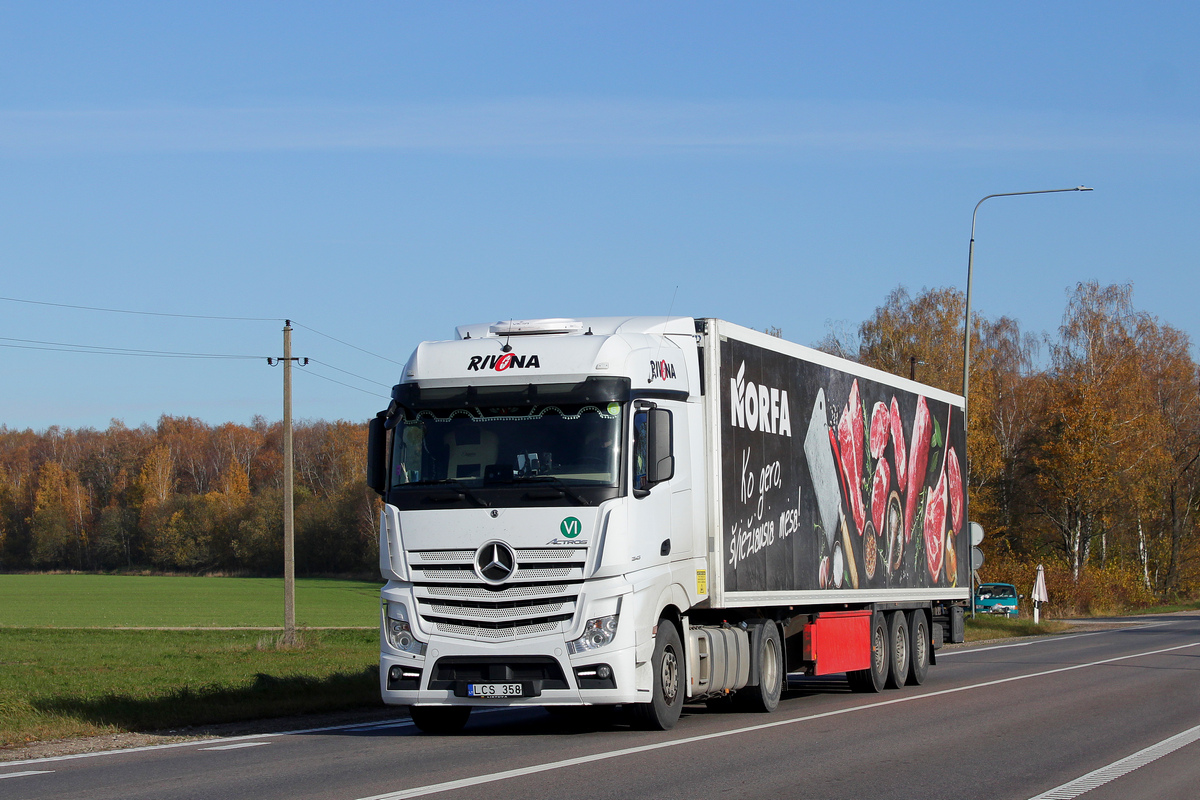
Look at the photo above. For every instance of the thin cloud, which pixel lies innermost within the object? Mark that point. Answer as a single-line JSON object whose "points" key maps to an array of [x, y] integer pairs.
{"points": [[579, 128]]}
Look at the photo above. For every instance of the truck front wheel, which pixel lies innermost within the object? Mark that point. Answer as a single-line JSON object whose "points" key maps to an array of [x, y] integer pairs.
{"points": [[667, 664], [440, 720]]}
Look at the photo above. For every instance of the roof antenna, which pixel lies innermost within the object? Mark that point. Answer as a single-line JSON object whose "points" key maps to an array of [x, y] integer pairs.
{"points": [[663, 338], [507, 348]]}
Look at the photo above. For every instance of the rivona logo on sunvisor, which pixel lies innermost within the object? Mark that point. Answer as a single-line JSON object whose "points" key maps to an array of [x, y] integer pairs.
{"points": [[504, 361], [661, 370]]}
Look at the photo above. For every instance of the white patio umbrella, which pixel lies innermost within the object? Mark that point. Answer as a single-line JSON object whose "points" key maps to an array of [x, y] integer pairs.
{"points": [[1039, 595]]}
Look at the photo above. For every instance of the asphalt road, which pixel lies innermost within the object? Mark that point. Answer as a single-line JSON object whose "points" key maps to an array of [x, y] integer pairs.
{"points": [[1115, 713]]}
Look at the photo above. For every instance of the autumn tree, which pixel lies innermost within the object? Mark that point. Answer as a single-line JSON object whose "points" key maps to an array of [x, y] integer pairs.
{"points": [[1097, 420], [50, 524]]}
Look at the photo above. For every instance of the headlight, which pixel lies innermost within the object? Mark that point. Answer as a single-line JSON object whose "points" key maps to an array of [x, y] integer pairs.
{"points": [[398, 632], [596, 634]]}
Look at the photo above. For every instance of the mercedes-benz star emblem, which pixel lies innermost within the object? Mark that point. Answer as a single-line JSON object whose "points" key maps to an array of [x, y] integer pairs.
{"points": [[495, 562]]}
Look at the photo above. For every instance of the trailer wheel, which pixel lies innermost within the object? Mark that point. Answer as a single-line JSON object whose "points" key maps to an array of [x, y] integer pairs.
{"points": [[898, 650], [765, 696], [440, 720], [918, 639], [873, 679], [667, 664]]}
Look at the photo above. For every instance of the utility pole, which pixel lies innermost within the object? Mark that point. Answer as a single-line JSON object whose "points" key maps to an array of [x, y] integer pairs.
{"points": [[289, 516]]}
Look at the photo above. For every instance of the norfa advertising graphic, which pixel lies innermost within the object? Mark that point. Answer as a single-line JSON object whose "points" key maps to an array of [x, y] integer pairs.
{"points": [[845, 483]]}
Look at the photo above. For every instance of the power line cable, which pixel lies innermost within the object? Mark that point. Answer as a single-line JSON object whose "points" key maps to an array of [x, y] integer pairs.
{"points": [[347, 344], [351, 374], [341, 383], [141, 313], [91, 349]]}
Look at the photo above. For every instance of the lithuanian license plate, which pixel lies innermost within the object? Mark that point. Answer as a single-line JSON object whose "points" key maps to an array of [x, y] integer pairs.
{"points": [[493, 690]]}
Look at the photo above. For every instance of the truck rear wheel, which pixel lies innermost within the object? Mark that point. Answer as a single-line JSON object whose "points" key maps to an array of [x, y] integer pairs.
{"points": [[440, 720], [918, 639], [667, 665], [769, 655], [899, 651], [874, 678]]}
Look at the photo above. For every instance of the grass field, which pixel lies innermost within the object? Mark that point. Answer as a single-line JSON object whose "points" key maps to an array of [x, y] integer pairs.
{"points": [[68, 670], [66, 683], [986, 626], [111, 601]]}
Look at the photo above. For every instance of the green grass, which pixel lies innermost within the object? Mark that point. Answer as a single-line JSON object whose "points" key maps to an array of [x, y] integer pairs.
{"points": [[66, 670], [986, 626], [110, 601], [68, 683], [1192, 605]]}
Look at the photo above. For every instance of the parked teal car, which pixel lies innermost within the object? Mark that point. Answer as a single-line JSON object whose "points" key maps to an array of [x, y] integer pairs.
{"points": [[997, 598]]}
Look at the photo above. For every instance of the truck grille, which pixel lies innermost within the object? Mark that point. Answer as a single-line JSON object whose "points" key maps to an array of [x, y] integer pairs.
{"points": [[541, 597]]}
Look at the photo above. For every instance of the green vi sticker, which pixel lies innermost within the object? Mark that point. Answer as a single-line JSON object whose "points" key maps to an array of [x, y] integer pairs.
{"points": [[571, 527]]}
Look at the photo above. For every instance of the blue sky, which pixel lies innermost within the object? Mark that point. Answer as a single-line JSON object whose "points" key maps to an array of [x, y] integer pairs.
{"points": [[382, 172]]}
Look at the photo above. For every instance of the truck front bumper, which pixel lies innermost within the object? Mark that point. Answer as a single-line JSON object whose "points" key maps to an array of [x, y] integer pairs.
{"points": [[541, 668]]}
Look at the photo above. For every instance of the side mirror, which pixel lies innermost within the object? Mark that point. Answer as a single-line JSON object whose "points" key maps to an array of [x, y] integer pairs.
{"points": [[661, 446], [653, 448], [377, 453]]}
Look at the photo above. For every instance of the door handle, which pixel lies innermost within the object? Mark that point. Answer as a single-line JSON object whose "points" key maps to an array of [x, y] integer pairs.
{"points": [[665, 550]]}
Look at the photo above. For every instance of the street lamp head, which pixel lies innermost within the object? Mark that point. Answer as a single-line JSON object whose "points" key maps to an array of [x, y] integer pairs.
{"points": [[1083, 188]]}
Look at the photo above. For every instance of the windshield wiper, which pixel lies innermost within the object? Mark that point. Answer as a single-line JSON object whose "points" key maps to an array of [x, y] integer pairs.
{"points": [[454, 486], [557, 483]]}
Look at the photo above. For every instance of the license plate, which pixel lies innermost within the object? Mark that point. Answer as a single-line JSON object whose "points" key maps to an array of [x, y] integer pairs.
{"points": [[493, 690]]}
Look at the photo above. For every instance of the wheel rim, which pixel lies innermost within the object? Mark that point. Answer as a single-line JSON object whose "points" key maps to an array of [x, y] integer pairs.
{"points": [[770, 666], [669, 676], [920, 647], [878, 648], [901, 651]]}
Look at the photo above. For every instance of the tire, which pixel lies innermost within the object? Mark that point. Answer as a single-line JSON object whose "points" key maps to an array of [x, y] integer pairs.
{"points": [[899, 650], [921, 647], [667, 666], [768, 653], [872, 680], [440, 720]]}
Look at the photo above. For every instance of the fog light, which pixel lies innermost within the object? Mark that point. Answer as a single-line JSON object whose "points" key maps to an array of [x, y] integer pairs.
{"points": [[603, 672]]}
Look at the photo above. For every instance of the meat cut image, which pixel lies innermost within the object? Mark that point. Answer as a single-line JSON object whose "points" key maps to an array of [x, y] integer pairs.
{"points": [[850, 453], [935, 527], [954, 488], [881, 424], [918, 459], [900, 454], [879, 493]]}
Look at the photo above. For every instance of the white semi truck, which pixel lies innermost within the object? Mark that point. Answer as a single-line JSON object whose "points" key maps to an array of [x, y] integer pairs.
{"points": [[647, 512]]}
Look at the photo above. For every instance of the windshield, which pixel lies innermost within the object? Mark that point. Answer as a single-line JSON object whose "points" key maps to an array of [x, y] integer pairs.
{"points": [[558, 445], [994, 592]]}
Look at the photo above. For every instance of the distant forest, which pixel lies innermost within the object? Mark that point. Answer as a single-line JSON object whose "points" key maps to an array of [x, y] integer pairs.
{"points": [[1084, 452], [184, 496]]}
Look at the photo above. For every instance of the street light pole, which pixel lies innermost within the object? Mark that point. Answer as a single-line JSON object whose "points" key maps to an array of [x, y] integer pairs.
{"points": [[970, 270], [967, 322]]}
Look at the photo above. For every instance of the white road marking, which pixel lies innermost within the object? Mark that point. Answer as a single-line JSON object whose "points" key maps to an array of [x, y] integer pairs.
{"points": [[364, 727], [420, 791], [1141, 758], [23, 774], [237, 746], [196, 743], [1044, 640]]}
